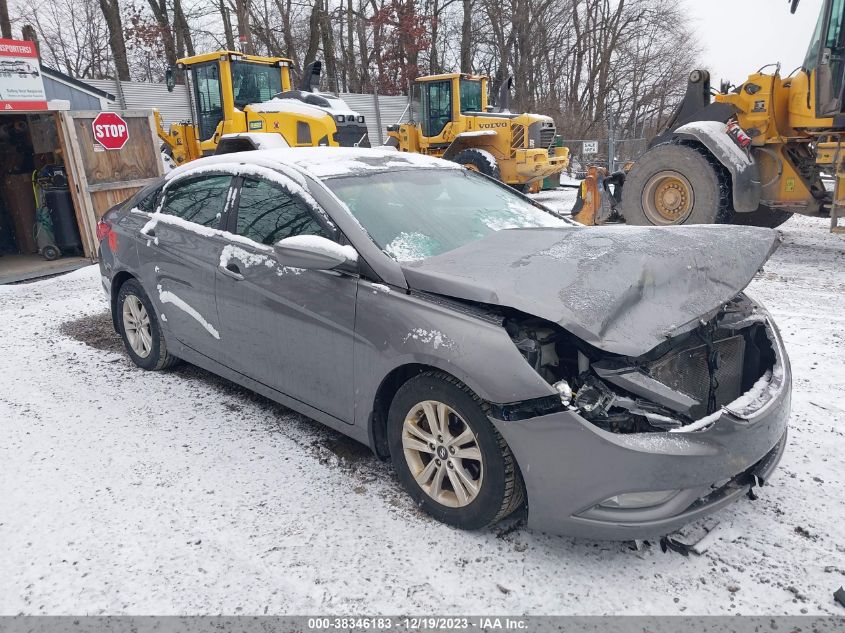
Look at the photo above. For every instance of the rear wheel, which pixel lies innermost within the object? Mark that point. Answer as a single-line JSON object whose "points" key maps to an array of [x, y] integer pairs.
{"points": [[140, 329], [762, 216], [480, 161], [448, 456], [674, 184]]}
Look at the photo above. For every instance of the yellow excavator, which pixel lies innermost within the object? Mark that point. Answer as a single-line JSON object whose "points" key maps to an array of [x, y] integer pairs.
{"points": [[451, 119], [235, 97], [752, 154]]}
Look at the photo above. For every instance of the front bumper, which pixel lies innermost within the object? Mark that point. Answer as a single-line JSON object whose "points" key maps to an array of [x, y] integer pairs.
{"points": [[570, 466], [536, 164]]}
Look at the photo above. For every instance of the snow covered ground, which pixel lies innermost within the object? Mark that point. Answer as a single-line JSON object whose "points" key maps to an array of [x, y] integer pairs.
{"points": [[129, 492]]}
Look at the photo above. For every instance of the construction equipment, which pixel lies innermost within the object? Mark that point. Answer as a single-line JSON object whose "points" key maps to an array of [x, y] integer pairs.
{"points": [[233, 93], [752, 154], [451, 119]]}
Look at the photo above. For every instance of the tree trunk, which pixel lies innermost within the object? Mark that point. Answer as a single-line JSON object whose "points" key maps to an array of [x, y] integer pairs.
{"points": [[364, 53], [244, 36], [5, 23], [117, 43], [313, 33], [466, 38], [328, 49], [354, 81], [163, 21], [227, 26], [434, 56], [183, 31]]}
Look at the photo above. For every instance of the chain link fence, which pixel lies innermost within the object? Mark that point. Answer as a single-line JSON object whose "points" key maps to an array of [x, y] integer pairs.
{"points": [[624, 150]]}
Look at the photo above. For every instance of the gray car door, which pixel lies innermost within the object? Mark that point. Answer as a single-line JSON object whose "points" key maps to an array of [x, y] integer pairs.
{"points": [[290, 329], [179, 252]]}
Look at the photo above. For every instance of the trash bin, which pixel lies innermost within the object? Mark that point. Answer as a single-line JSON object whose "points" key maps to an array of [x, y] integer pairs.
{"points": [[65, 229], [553, 181]]}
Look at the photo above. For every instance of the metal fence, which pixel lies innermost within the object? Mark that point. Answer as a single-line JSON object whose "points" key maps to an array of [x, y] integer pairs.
{"points": [[623, 150]]}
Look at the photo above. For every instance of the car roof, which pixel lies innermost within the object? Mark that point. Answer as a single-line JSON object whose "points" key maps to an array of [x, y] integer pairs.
{"points": [[321, 162]]}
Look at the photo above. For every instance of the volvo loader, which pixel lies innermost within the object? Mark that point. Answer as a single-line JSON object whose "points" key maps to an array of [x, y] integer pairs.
{"points": [[451, 119], [750, 154], [233, 93]]}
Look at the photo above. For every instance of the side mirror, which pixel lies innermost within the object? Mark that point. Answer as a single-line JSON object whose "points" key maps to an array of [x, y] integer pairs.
{"points": [[313, 252], [169, 79]]}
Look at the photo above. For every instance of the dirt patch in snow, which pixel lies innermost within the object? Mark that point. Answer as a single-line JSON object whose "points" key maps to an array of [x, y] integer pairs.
{"points": [[96, 331]]}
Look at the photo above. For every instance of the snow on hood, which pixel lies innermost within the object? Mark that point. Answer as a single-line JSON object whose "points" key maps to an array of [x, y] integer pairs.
{"points": [[622, 289], [295, 106]]}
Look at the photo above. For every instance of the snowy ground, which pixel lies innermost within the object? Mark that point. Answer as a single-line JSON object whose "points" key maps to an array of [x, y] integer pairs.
{"points": [[170, 493]]}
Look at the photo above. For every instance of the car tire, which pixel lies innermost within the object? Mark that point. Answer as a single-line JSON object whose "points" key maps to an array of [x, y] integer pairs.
{"points": [[675, 184], [469, 479], [140, 328], [482, 162]]}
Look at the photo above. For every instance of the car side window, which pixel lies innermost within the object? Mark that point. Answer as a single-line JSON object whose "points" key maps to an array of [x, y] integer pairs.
{"points": [[267, 214], [149, 202], [200, 200]]}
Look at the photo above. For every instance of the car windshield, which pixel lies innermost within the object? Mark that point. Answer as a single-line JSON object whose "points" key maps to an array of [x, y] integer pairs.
{"points": [[415, 214]]}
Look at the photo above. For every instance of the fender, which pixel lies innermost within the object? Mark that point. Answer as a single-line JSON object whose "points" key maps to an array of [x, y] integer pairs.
{"points": [[463, 141], [744, 171]]}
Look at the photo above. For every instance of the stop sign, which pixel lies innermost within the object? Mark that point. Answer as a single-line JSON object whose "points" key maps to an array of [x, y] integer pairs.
{"points": [[110, 130]]}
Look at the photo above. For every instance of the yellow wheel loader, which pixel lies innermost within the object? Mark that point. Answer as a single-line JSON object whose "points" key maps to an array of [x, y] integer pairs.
{"points": [[451, 119], [752, 154], [233, 93]]}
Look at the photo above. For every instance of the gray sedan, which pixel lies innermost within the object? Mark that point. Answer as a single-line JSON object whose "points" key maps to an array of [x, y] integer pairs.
{"points": [[615, 381]]}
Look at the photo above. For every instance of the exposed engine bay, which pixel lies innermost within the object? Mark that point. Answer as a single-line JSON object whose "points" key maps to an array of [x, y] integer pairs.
{"points": [[676, 384]]}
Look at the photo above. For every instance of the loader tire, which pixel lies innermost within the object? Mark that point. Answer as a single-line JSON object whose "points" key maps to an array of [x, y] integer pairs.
{"points": [[480, 161], [762, 216], [676, 184]]}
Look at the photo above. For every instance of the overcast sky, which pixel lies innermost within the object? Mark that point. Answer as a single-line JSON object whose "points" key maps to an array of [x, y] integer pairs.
{"points": [[740, 36]]}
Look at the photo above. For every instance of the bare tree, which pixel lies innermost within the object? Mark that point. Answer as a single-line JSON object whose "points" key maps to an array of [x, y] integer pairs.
{"points": [[244, 34], [5, 22], [111, 13]]}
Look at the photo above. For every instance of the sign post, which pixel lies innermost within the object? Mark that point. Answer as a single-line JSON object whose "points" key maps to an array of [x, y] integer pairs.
{"points": [[110, 130], [21, 85]]}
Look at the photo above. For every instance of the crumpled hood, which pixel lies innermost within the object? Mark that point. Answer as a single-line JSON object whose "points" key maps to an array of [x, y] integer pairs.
{"points": [[622, 289]]}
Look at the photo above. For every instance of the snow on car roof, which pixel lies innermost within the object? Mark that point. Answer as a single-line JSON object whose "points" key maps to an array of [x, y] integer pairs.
{"points": [[322, 162]]}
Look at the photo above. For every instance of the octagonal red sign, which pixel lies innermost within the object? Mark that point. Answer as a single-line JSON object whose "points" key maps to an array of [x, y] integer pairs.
{"points": [[110, 130]]}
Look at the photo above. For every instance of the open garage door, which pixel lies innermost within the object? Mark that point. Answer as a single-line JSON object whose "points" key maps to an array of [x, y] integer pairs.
{"points": [[109, 159]]}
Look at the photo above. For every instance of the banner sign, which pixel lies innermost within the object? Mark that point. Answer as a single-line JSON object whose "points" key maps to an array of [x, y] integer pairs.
{"points": [[21, 85]]}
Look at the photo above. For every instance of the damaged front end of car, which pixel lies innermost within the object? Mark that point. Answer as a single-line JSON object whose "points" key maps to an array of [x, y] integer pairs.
{"points": [[676, 433], [668, 388], [728, 361]]}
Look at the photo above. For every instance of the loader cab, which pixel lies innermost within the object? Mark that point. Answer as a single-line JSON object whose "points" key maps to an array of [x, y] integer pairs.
{"points": [[439, 100], [224, 82], [825, 60]]}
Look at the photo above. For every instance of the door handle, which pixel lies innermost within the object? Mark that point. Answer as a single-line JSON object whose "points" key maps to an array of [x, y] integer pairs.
{"points": [[231, 270]]}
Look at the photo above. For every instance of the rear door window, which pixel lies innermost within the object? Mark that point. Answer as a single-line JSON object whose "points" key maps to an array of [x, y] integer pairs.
{"points": [[149, 202], [267, 214], [201, 200]]}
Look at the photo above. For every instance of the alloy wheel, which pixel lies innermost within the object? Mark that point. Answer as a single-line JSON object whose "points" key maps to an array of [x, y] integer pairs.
{"points": [[136, 325], [442, 453]]}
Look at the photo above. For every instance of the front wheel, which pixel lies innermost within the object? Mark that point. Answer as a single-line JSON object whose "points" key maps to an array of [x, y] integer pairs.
{"points": [[674, 184], [481, 161], [448, 456]]}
